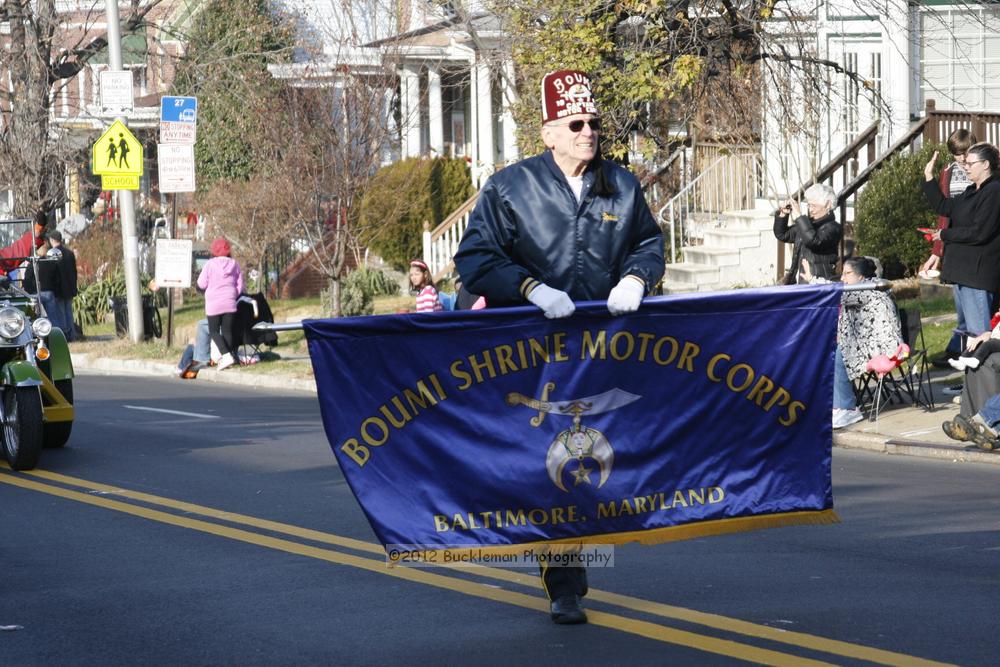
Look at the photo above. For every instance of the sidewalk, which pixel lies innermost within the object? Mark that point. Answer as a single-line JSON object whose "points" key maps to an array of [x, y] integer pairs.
{"points": [[900, 429], [915, 431]]}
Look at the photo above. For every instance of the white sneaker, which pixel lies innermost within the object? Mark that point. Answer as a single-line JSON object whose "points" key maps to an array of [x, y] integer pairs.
{"points": [[225, 362], [963, 363], [842, 418]]}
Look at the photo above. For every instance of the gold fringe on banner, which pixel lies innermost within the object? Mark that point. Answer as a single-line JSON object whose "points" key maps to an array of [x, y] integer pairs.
{"points": [[653, 536]]}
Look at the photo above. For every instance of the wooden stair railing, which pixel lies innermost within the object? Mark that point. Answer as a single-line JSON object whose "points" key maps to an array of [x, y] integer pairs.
{"points": [[934, 127], [441, 243], [846, 160]]}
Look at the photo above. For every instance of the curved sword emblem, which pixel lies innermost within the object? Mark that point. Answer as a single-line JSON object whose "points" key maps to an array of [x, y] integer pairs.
{"points": [[578, 443]]}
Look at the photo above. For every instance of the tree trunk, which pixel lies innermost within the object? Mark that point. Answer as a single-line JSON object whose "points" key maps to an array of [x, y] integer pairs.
{"points": [[335, 297]]}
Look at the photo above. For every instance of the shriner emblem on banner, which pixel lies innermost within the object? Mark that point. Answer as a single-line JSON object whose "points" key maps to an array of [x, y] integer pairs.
{"points": [[577, 443]]}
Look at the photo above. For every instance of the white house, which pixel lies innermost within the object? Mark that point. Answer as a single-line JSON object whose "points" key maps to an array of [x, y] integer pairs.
{"points": [[452, 88]]}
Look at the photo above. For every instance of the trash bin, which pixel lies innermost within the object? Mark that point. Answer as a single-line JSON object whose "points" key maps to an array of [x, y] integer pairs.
{"points": [[151, 323]]}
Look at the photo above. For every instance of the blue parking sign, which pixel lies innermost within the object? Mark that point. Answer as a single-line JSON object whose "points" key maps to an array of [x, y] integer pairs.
{"points": [[179, 109]]}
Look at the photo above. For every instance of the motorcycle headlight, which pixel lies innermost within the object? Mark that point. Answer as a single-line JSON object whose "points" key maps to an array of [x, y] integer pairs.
{"points": [[42, 327], [11, 322]]}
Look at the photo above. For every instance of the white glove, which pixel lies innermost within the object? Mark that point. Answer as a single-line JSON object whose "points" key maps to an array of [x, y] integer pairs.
{"points": [[554, 303], [626, 296]]}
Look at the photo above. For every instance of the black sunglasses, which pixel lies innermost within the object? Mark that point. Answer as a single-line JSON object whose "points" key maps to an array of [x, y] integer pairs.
{"points": [[577, 125]]}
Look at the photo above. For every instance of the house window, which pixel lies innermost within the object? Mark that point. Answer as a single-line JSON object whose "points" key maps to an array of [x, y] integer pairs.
{"points": [[960, 57]]}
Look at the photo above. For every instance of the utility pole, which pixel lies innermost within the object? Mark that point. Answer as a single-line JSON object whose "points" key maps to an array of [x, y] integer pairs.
{"points": [[130, 242]]}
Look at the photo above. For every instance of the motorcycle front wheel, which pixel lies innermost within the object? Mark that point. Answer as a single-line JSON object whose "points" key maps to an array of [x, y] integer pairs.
{"points": [[22, 430]]}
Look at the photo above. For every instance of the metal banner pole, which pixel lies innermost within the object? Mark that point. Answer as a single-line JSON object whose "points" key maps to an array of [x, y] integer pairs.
{"points": [[170, 290], [856, 287]]}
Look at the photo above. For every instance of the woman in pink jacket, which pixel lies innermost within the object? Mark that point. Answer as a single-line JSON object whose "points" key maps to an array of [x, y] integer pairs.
{"points": [[222, 282]]}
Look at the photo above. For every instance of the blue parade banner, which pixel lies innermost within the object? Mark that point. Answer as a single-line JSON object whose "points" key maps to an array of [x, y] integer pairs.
{"points": [[700, 414]]}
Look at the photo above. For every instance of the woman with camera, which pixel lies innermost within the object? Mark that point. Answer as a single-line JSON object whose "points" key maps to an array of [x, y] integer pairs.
{"points": [[816, 236]]}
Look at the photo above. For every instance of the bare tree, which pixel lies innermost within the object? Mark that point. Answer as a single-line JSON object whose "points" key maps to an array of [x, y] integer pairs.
{"points": [[345, 120]]}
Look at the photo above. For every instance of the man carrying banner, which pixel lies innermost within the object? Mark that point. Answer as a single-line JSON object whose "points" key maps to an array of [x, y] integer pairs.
{"points": [[557, 227]]}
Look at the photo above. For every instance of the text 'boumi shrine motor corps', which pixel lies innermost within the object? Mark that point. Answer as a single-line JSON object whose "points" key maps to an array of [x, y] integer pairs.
{"points": [[687, 356]]}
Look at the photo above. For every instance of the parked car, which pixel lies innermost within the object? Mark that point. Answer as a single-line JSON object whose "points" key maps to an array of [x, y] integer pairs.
{"points": [[36, 370]]}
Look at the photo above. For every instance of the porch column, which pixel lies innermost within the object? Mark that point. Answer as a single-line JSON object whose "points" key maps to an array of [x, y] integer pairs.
{"points": [[897, 53], [434, 116], [409, 110], [508, 98], [484, 114], [388, 151]]}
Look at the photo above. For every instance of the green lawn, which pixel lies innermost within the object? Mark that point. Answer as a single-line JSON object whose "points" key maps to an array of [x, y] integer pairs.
{"points": [[293, 353], [937, 335]]}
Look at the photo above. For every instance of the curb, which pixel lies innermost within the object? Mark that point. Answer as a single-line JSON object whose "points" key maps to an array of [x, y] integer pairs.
{"points": [[928, 450], [108, 365]]}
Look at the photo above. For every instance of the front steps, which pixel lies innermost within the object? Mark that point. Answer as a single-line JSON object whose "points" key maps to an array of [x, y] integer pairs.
{"points": [[740, 252]]}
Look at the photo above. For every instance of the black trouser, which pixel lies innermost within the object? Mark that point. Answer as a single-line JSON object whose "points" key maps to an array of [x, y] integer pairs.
{"points": [[220, 328], [985, 349], [560, 581]]}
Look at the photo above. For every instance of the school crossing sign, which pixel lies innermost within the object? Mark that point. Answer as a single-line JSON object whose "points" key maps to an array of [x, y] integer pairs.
{"points": [[117, 158]]}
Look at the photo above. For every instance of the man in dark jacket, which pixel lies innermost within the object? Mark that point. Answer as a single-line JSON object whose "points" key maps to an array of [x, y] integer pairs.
{"points": [[816, 236], [66, 289], [563, 226], [47, 285]]}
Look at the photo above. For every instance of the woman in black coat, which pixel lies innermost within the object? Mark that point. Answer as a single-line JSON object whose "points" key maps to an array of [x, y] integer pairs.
{"points": [[972, 241]]}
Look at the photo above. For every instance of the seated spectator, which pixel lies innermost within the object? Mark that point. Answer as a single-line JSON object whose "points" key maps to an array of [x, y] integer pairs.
{"points": [[196, 355], [423, 285], [981, 428], [867, 327], [980, 347]]}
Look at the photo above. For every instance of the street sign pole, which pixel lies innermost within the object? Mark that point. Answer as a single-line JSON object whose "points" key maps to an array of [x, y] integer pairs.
{"points": [[130, 242], [176, 167], [170, 290]]}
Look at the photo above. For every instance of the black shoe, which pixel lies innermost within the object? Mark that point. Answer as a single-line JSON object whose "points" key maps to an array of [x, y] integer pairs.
{"points": [[942, 361], [567, 610]]}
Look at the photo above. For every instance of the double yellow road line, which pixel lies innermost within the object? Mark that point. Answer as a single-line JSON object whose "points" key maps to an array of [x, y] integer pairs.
{"points": [[241, 527]]}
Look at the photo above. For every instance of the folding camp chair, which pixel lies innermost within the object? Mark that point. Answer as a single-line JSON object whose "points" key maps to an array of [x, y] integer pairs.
{"points": [[914, 374], [251, 309], [910, 381]]}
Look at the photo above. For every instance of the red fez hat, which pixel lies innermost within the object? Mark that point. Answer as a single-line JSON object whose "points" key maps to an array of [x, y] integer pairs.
{"points": [[565, 93]]}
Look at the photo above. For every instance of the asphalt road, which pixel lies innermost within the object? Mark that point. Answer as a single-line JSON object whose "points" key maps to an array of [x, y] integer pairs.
{"points": [[227, 536]]}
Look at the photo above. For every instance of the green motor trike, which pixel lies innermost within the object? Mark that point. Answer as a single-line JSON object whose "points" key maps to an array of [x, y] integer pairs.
{"points": [[36, 371]]}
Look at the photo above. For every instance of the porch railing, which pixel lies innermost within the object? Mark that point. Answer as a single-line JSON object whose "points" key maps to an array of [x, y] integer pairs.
{"points": [[731, 181], [934, 127], [441, 243]]}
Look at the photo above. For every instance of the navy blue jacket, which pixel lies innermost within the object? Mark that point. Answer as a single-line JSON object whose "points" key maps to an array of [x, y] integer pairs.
{"points": [[527, 228]]}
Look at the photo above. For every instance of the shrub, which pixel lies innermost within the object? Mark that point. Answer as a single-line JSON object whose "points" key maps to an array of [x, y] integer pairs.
{"points": [[401, 196], [92, 304], [377, 283], [891, 208], [356, 296]]}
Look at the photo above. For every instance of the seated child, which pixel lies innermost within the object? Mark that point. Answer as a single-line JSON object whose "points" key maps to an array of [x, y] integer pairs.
{"points": [[982, 346]]}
